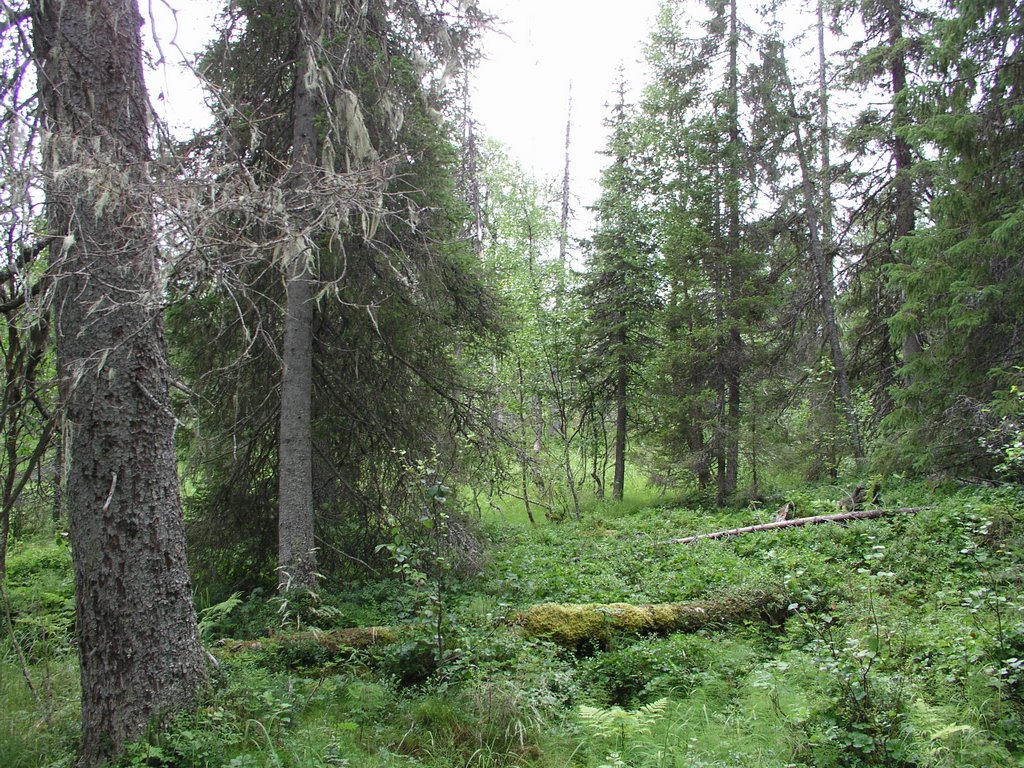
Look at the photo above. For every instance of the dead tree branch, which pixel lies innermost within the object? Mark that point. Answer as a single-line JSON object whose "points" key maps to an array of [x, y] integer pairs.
{"points": [[841, 516]]}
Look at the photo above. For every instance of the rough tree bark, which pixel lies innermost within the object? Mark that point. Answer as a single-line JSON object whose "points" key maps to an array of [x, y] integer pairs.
{"points": [[296, 519], [138, 644]]}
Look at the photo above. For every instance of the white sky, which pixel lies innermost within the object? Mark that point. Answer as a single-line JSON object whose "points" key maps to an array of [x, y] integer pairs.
{"points": [[521, 87]]}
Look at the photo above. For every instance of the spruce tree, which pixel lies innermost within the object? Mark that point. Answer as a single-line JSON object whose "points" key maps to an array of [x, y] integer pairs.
{"points": [[961, 279], [393, 287], [620, 293]]}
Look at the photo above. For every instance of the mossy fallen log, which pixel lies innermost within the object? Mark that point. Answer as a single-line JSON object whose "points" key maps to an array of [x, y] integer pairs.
{"points": [[575, 625], [570, 625], [862, 514], [332, 641]]}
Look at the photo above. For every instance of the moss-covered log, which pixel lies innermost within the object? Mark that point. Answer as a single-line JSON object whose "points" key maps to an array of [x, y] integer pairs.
{"points": [[574, 625], [333, 641], [571, 625]]}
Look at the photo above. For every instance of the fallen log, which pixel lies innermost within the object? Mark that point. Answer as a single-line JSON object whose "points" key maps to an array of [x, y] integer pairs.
{"points": [[858, 515], [570, 625], [574, 625], [334, 641]]}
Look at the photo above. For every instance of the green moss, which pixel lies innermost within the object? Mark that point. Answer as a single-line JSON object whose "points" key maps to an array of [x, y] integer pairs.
{"points": [[571, 625], [567, 625]]}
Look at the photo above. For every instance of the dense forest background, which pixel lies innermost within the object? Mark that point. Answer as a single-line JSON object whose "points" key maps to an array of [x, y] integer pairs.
{"points": [[338, 342]]}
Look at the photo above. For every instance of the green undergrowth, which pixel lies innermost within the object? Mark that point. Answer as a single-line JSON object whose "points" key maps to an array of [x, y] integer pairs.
{"points": [[38, 666], [900, 645]]}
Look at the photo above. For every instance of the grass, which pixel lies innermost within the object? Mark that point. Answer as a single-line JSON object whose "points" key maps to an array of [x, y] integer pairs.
{"points": [[902, 648]]}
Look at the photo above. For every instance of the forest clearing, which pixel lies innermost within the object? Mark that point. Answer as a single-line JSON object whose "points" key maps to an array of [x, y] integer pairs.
{"points": [[331, 435]]}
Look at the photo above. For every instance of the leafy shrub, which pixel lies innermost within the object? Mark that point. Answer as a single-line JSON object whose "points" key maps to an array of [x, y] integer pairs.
{"points": [[674, 666], [411, 662]]}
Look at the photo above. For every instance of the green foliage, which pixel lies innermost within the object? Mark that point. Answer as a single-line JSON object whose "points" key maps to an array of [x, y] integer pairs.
{"points": [[1005, 440], [399, 293], [38, 669], [299, 609], [674, 666], [39, 593], [866, 721], [213, 618], [962, 279], [620, 728], [902, 647]]}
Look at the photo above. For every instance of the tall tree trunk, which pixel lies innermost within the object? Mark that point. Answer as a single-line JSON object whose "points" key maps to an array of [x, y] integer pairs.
{"points": [[570, 473], [718, 438], [825, 142], [296, 545], [733, 420], [823, 404], [732, 201], [719, 445], [524, 455], [621, 390], [822, 278], [903, 191], [296, 519], [471, 169], [137, 638], [599, 456], [695, 442]]}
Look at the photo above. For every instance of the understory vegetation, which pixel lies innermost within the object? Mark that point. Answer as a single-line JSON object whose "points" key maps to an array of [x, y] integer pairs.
{"points": [[899, 643]]}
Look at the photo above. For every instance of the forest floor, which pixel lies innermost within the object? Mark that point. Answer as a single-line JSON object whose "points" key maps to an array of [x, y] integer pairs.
{"points": [[896, 641]]}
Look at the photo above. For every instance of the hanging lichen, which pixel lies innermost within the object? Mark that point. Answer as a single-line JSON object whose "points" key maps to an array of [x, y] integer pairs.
{"points": [[360, 152]]}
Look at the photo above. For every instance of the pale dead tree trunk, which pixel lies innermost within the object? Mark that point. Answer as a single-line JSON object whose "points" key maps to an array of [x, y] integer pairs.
{"points": [[296, 519], [563, 228], [524, 456], [470, 169], [570, 473], [863, 514], [826, 290], [138, 643], [558, 384]]}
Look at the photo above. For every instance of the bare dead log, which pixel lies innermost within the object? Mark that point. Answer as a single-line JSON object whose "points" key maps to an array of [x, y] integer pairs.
{"points": [[839, 517]]}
